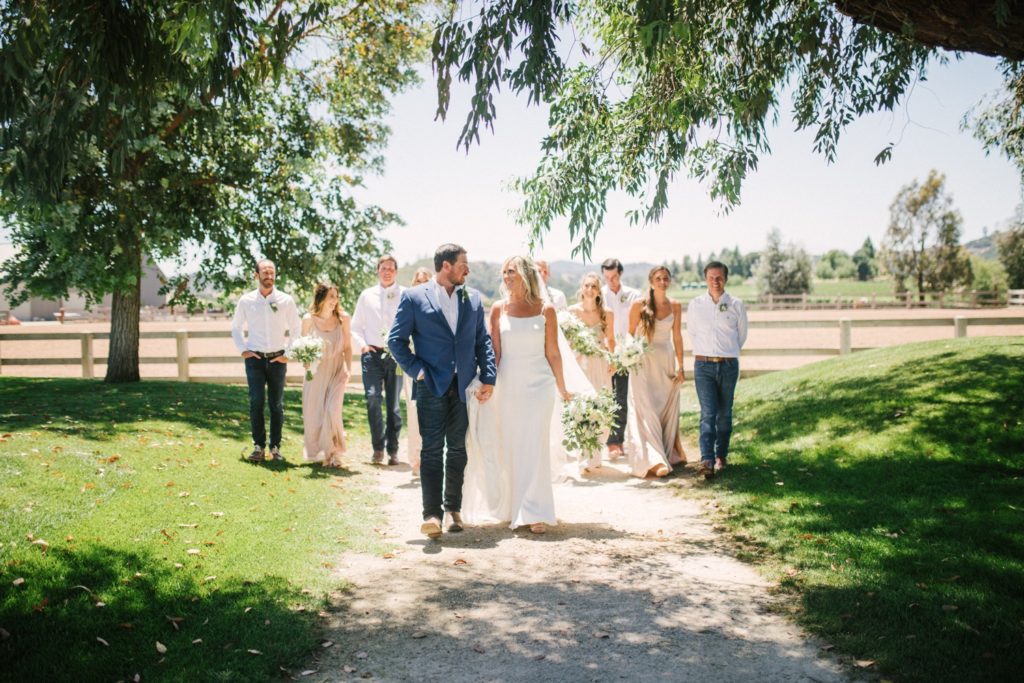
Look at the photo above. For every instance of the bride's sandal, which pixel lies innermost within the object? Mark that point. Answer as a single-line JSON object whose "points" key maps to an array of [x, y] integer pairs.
{"points": [[538, 528]]}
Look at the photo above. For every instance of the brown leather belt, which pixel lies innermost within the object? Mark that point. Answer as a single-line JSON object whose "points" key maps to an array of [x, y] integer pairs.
{"points": [[712, 359], [269, 355]]}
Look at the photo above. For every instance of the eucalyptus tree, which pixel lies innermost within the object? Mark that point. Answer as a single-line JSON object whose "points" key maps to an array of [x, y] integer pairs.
{"points": [[648, 89], [206, 132]]}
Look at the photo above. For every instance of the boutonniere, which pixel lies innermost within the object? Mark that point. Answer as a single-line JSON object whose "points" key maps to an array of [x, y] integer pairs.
{"points": [[273, 307], [723, 307], [390, 295], [622, 298], [464, 295]]}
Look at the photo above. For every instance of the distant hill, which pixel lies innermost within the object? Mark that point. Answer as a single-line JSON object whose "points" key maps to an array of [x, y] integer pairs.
{"points": [[984, 247]]}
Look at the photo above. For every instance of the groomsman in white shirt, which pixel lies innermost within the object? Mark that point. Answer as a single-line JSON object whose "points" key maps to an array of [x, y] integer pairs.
{"points": [[557, 296], [266, 313], [618, 298], [371, 324], [717, 326]]}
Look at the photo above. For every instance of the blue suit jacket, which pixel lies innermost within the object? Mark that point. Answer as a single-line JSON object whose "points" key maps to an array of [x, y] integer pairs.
{"points": [[439, 353]]}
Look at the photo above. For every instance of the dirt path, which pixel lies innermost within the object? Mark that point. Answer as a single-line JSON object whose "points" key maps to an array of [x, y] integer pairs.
{"points": [[631, 585]]}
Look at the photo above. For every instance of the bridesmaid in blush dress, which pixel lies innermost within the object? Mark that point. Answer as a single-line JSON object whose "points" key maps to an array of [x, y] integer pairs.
{"points": [[322, 397], [524, 332], [653, 443], [601, 321]]}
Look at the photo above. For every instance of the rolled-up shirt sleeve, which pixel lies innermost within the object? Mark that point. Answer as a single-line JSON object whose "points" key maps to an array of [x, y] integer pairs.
{"points": [[237, 323]]}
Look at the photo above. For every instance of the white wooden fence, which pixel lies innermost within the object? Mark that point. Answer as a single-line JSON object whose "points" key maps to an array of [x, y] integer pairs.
{"points": [[185, 361]]}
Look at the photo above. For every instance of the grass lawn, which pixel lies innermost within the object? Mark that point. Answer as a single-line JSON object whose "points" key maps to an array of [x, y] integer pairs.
{"points": [[129, 519], [885, 490]]}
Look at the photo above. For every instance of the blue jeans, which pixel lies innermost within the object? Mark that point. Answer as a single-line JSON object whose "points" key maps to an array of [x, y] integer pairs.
{"points": [[716, 385], [383, 386], [443, 422], [620, 386], [266, 381]]}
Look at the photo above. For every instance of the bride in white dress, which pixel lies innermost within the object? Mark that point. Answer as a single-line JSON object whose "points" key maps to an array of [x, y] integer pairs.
{"points": [[510, 435]]}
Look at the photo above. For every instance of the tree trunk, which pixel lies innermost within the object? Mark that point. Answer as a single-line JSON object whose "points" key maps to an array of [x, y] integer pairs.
{"points": [[123, 360]]}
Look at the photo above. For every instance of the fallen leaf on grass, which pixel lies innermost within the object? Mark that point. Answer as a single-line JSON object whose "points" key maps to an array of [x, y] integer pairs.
{"points": [[4, 634], [174, 621], [161, 648], [361, 655], [247, 610], [208, 579], [100, 603], [459, 562], [197, 641], [309, 672], [18, 581], [193, 551], [865, 663], [102, 642], [217, 514], [188, 526], [949, 608], [327, 643], [539, 658], [419, 634], [826, 648], [388, 556], [348, 669], [602, 634], [478, 649], [254, 652], [43, 545]]}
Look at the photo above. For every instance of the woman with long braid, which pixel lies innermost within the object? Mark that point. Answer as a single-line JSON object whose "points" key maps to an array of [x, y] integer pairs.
{"points": [[653, 443]]}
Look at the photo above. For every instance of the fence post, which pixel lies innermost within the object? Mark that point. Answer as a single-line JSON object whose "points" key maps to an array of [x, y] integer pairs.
{"points": [[181, 336], [960, 326], [845, 336], [771, 302], [87, 366]]}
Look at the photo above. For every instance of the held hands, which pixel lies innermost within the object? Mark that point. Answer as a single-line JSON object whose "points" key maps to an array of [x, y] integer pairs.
{"points": [[679, 378], [484, 392]]}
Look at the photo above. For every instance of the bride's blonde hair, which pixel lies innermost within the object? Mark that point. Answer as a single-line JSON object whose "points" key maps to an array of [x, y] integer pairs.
{"points": [[528, 272]]}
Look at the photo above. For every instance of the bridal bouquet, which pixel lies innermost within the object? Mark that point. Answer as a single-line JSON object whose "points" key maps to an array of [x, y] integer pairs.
{"points": [[586, 418], [629, 352], [581, 339], [307, 349]]}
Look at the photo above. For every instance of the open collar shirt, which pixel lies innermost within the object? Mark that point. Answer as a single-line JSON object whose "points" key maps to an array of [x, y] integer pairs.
{"points": [[374, 315], [267, 319], [619, 303], [449, 304], [717, 329]]}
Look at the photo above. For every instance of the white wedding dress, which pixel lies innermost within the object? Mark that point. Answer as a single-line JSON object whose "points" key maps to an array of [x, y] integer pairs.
{"points": [[508, 474]]}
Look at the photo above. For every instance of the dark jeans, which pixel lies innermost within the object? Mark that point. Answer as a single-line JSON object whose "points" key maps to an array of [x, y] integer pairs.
{"points": [[443, 422], [382, 381], [266, 381], [620, 385], [716, 385]]}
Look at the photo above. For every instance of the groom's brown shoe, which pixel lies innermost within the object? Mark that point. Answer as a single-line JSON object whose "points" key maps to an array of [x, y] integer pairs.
{"points": [[431, 527], [454, 523]]}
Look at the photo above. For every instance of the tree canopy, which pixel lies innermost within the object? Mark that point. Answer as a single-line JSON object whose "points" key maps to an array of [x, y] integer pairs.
{"points": [[227, 131], [651, 88]]}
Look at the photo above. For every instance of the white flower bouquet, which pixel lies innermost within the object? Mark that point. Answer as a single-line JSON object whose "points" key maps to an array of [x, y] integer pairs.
{"points": [[581, 338], [308, 349], [629, 353], [586, 419]]}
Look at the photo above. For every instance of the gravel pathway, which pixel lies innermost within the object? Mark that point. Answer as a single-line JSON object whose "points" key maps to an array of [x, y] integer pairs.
{"points": [[632, 585]]}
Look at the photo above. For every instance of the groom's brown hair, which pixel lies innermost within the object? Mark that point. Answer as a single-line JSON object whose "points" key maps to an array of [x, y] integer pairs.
{"points": [[446, 253]]}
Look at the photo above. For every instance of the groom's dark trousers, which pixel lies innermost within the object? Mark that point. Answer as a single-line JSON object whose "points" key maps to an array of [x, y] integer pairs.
{"points": [[443, 422]]}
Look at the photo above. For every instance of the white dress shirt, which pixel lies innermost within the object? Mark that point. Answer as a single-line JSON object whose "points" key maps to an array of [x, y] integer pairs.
{"points": [[266, 318], [558, 299], [449, 304], [619, 303], [716, 329], [374, 315]]}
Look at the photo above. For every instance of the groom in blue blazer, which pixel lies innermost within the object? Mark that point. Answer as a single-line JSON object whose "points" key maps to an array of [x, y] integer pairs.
{"points": [[445, 322]]}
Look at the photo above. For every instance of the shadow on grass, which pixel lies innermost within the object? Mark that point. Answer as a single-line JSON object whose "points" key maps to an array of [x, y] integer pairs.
{"points": [[95, 410], [208, 625], [896, 495]]}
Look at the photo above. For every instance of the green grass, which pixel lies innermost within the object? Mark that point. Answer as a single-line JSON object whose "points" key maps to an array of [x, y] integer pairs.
{"points": [[123, 482], [886, 490]]}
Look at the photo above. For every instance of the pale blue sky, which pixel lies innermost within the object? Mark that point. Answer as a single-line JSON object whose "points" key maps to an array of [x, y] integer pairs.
{"points": [[446, 195]]}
